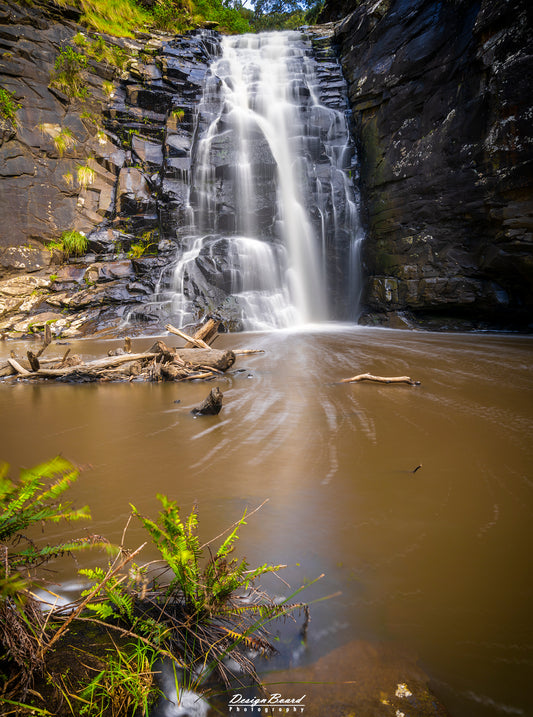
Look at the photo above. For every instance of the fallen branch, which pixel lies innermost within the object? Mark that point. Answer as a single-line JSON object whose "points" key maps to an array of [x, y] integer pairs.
{"points": [[47, 339], [93, 366], [191, 339], [158, 363], [18, 368], [208, 332], [33, 360], [381, 379], [247, 352]]}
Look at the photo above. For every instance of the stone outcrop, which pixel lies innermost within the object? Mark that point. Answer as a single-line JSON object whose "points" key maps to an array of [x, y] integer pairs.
{"points": [[112, 165], [442, 107]]}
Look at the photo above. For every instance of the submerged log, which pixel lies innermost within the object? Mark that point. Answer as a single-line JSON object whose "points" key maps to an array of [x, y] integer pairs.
{"points": [[211, 405], [380, 379]]}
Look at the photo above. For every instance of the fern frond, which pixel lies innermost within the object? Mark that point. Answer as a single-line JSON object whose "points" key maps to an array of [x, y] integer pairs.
{"points": [[227, 546]]}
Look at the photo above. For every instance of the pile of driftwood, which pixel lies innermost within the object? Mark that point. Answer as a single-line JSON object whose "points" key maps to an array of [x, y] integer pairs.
{"points": [[196, 360]]}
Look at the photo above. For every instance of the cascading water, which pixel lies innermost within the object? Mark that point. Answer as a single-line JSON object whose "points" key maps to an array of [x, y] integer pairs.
{"points": [[274, 220]]}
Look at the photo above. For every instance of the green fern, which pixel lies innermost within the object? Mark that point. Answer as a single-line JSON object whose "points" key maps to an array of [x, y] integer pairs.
{"points": [[118, 600], [29, 501]]}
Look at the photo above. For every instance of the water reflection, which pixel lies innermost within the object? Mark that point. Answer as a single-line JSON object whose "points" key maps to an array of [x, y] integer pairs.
{"points": [[435, 560]]}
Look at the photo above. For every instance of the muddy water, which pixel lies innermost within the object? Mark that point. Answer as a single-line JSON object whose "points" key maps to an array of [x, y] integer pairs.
{"points": [[436, 562]]}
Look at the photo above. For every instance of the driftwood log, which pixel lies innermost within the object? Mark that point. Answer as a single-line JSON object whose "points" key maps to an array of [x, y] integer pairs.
{"points": [[211, 405], [381, 379], [208, 332], [160, 363]]}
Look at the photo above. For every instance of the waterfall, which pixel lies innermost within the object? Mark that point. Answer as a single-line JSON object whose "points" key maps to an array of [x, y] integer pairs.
{"points": [[274, 230]]}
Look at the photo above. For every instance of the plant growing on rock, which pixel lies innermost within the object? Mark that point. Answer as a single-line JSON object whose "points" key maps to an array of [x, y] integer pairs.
{"points": [[71, 243], [178, 114], [8, 106], [85, 175], [64, 141], [68, 73], [108, 88]]}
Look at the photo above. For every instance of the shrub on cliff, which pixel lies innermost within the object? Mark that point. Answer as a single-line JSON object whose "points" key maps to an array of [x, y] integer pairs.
{"points": [[8, 106]]}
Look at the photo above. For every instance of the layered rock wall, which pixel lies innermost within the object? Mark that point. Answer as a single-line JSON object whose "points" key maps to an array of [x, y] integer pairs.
{"points": [[442, 104], [112, 164]]}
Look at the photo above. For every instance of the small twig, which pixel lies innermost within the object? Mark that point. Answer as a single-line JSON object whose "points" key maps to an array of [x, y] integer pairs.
{"points": [[237, 522]]}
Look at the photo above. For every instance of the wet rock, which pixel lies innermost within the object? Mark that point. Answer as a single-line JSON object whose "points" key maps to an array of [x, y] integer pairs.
{"points": [[109, 271], [370, 679], [441, 110], [23, 285], [133, 193], [150, 153], [23, 258]]}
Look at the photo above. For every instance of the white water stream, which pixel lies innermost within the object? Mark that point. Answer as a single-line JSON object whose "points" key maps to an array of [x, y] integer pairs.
{"points": [[275, 227]]}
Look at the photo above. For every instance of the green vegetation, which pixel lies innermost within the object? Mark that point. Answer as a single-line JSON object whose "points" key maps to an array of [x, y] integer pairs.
{"points": [[125, 685], [71, 243], [8, 106], [85, 175], [31, 501], [64, 141], [284, 14], [68, 73], [100, 50], [178, 114], [194, 606], [123, 18], [146, 245]]}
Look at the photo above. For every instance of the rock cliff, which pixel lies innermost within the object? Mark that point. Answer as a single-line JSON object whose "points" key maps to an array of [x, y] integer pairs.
{"points": [[97, 142], [442, 105]]}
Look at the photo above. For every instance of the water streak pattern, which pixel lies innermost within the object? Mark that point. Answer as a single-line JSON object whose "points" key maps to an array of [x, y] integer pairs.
{"points": [[274, 230]]}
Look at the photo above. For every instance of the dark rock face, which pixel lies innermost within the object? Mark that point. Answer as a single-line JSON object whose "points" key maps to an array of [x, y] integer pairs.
{"points": [[131, 138], [442, 105]]}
